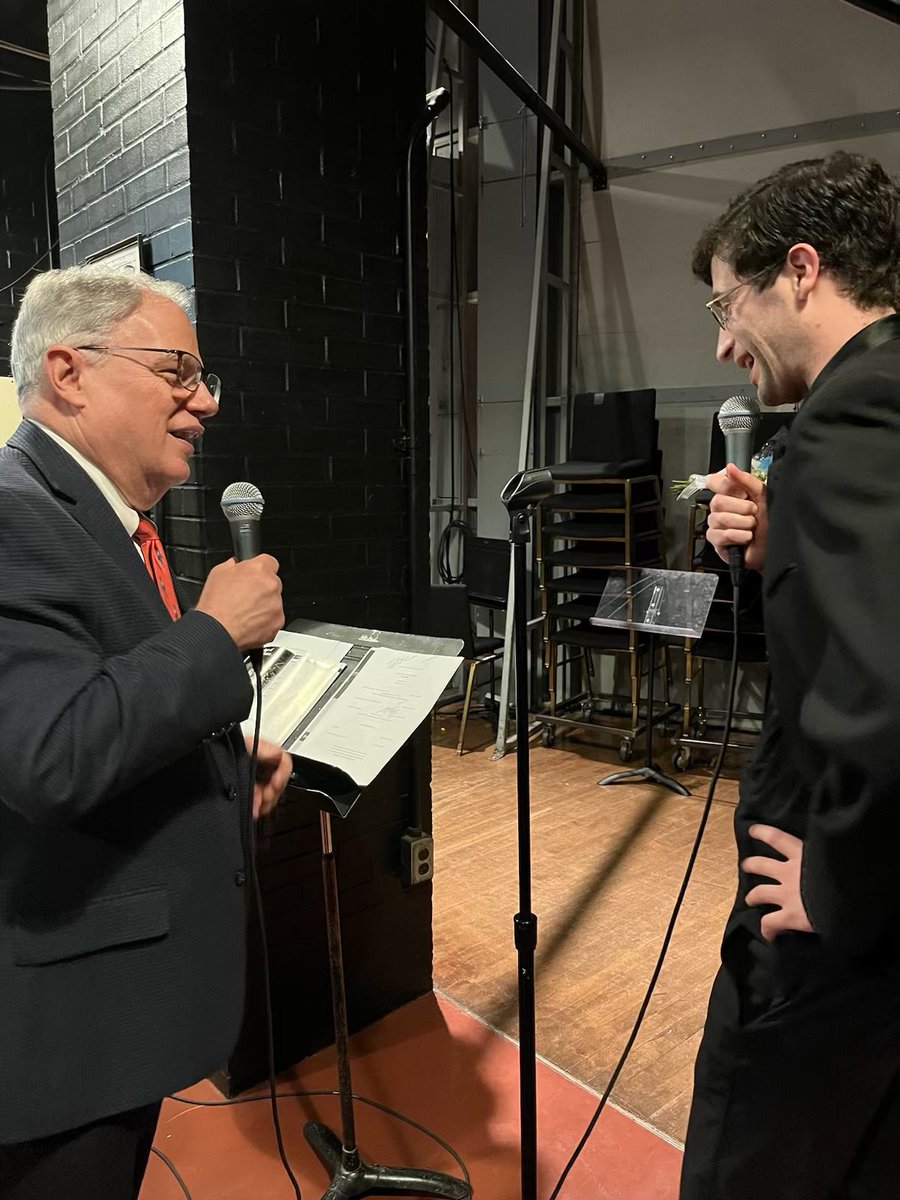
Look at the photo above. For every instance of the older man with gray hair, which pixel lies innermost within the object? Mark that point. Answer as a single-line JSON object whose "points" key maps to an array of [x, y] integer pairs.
{"points": [[123, 773]]}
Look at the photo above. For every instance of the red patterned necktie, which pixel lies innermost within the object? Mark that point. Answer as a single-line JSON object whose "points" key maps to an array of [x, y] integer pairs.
{"points": [[154, 557]]}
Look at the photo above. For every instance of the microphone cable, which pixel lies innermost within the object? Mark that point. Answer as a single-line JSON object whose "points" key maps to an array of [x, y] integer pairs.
{"points": [[255, 659], [695, 850], [264, 941]]}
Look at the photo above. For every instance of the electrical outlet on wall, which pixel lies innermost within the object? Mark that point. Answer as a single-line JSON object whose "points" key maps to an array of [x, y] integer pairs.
{"points": [[417, 857]]}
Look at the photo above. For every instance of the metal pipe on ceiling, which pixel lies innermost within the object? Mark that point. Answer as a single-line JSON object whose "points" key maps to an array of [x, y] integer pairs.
{"points": [[488, 53]]}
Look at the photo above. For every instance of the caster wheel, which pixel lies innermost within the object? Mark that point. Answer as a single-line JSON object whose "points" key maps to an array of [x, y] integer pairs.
{"points": [[548, 736], [626, 750], [681, 759]]}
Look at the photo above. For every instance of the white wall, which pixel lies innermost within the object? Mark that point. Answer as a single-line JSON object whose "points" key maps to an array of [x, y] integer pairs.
{"points": [[9, 408]]}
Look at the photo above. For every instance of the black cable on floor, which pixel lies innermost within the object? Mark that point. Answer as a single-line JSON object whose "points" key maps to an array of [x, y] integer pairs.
{"points": [[165, 1158], [695, 850]]}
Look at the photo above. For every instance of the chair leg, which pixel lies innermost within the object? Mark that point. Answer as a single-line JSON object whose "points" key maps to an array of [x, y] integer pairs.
{"points": [[473, 667], [667, 668], [688, 689], [588, 673], [635, 683]]}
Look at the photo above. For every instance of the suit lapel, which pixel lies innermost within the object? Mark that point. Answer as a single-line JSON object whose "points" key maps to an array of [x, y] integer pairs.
{"points": [[89, 507]]}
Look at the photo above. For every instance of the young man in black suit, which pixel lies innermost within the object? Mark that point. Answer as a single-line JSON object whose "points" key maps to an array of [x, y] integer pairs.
{"points": [[123, 773], [797, 1087]]}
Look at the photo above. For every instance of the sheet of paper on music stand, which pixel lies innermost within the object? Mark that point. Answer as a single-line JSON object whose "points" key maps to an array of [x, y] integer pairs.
{"points": [[673, 602], [379, 709]]}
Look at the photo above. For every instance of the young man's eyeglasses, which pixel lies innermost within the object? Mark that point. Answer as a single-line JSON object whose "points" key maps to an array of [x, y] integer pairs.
{"points": [[720, 306], [188, 371]]}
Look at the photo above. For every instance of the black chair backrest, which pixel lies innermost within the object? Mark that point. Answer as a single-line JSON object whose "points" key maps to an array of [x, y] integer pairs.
{"points": [[485, 569], [614, 427], [769, 425], [450, 615]]}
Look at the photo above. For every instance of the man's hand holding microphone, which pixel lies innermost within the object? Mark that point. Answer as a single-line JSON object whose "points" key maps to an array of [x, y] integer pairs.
{"points": [[737, 523], [738, 516], [244, 596]]}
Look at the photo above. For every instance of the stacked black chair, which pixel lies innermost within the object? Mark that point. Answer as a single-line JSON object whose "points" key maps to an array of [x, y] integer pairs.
{"points": [[611, 520]]}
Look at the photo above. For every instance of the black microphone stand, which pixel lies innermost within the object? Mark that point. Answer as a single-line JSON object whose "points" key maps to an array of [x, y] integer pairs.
{"points": [[520, 495]]}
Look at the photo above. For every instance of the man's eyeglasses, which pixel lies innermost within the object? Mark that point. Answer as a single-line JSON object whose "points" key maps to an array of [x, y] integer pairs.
{"points": [[188, 371], [720, 306]]}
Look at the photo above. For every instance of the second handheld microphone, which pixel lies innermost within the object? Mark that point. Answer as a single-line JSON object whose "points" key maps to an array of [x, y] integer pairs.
{"points": [[738, 420]]}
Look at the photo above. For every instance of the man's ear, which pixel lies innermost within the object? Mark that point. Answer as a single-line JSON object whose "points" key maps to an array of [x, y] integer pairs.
{"points": [[64, 371], [804, 268]]}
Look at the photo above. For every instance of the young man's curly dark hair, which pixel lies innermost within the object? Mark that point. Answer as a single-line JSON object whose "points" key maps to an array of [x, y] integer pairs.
{"points": [[845, 206]]}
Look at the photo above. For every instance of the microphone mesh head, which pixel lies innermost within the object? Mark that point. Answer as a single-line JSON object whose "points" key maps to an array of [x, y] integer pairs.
{"points": [[738, 412], [242, 500]]}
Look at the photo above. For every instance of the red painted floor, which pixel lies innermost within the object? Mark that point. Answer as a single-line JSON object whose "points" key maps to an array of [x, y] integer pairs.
{"points": [[446, 1070]]}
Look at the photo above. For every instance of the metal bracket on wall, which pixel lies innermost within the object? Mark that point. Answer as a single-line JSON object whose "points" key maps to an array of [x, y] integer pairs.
{"points": [[860, 125]]}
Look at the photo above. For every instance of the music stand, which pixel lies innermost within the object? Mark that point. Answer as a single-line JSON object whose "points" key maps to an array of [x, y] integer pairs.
{"points": [[351, 1175], [655, 602]]}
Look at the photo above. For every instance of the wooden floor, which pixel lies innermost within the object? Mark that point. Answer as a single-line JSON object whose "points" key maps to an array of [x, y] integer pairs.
{"points": [[607, 865]]}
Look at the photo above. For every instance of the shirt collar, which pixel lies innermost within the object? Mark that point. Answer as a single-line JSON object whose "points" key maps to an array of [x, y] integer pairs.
{"points": [[108, 489]]}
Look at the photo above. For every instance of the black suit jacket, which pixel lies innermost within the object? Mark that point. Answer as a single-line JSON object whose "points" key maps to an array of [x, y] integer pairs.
{"points": [[827, 766], [122, 859]]}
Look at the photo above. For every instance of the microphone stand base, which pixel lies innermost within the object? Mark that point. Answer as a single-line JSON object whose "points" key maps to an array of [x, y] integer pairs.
{"points": [[650, 774], [352, 1176]]}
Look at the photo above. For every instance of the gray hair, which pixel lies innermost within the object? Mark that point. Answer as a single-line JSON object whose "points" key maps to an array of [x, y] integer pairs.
{"points": [[76, 304]]}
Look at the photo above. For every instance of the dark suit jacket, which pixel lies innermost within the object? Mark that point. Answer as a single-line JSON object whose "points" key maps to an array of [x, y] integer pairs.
{"points": [[827, 766], [122, 860]]}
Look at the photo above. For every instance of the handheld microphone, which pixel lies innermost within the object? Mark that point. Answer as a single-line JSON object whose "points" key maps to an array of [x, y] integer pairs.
{"points": [[242, 504], [738, 419]]}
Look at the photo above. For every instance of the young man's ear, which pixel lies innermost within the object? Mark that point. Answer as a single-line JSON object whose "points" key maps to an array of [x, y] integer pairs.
{"points": [[804, 267]]}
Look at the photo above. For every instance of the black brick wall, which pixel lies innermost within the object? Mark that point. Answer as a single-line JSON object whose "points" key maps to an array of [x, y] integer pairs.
{"points": [[297, 146], [260, 147], [297, 122], [25, 123], [120, 130]]}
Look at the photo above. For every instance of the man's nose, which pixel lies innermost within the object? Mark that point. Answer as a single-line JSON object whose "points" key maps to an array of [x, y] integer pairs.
{"points": [[202, 402], [724, 346]]}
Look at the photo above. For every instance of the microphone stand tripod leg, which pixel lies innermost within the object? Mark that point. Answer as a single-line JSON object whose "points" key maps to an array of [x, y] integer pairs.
{"points": [[351, 1176]]}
